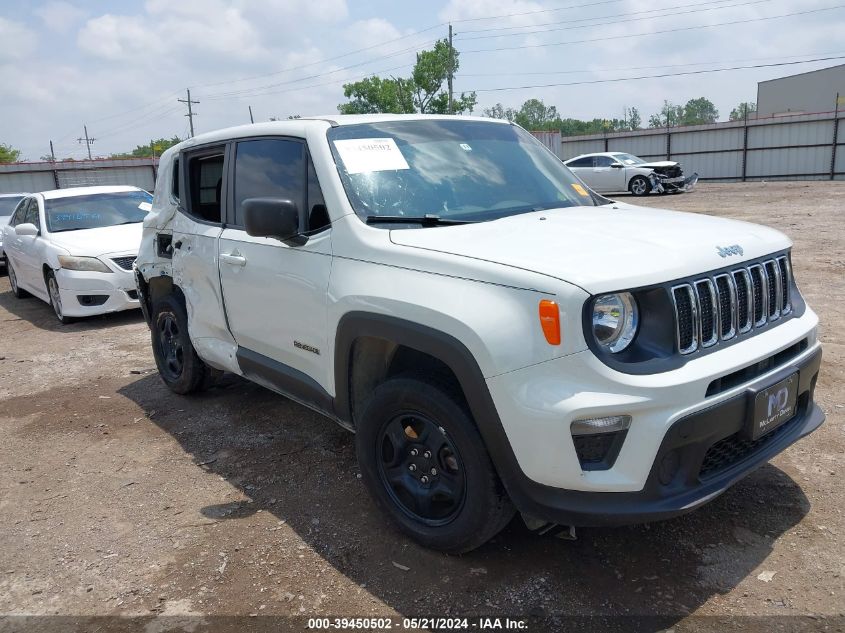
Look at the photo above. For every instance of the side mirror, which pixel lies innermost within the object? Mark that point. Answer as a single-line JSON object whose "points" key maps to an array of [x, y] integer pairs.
{"points": [[617, 165], [271, 217], [26, 229]]}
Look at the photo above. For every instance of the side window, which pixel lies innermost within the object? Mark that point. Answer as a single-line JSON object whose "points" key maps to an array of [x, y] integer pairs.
{"points": [[582, 162], [318, 214], [604, 161], [205, 183], [20, 212], [270, 168], [32, 213], [174, 185]]}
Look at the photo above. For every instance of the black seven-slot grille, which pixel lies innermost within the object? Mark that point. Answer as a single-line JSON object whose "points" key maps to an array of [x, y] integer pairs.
{"points": [[124, 262], [717, 308]]}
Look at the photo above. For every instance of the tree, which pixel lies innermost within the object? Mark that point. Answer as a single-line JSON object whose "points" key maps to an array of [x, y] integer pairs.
{"points": [[423, 92], [374, 94], [635, 121], [536, 115], [699, 111], [498, 111], [670, 115], [745, 110], [9, 154], [154, 148]]}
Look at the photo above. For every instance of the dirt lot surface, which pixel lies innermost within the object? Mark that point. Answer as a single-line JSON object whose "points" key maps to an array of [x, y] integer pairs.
{"points": [[118, 497]]}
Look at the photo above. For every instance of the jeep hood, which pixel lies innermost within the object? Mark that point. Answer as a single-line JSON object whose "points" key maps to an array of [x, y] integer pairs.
{"points": [[602, 249]]}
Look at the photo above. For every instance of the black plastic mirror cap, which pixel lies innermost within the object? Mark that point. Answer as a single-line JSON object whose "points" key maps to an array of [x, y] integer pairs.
{"points": [[271, 217]]}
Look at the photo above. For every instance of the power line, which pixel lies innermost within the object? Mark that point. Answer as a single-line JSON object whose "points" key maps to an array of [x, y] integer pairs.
{"points": [[623, 17], [649, 66], [660, 76], [675, 30]]}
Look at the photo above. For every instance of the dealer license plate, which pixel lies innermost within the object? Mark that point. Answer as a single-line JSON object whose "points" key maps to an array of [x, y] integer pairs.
{"points": [[774, 406]]}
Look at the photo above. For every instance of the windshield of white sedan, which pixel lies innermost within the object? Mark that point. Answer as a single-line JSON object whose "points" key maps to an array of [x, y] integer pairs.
{"points": [[449, 171], [96, 210], [629, 159]]}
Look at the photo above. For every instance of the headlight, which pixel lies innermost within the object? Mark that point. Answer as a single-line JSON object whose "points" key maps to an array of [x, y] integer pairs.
{"points": [[615, 321], [91, 264]]}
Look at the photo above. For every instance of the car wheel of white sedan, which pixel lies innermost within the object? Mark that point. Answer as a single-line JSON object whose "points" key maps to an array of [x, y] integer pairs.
{"points": [[13, 281], [56, 299], [640, 186]]}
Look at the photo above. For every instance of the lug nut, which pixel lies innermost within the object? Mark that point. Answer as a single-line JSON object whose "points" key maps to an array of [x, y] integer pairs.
{"points": [[424, 479], [412, 467], [427, 454], [433, 471], [414, 452]]}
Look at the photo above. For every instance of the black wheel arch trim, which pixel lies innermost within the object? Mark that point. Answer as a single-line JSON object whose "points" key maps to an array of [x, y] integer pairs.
{"points": [[455, 355]]}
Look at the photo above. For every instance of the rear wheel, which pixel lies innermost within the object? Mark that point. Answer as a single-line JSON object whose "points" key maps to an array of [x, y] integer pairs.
{"points": [[13, 281], [56, 298], [177, 361], [639, 186], [425, 464]]}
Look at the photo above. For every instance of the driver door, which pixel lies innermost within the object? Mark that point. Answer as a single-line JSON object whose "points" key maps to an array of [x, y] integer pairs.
{"points": [[608, 177]]}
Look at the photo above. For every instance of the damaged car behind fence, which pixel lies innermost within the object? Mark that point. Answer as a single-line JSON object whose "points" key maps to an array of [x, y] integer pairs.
{"points": [[615, 172]]}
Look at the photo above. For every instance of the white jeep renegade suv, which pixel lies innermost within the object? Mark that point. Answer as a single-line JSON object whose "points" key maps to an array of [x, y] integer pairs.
{"points": [[498, 336]]}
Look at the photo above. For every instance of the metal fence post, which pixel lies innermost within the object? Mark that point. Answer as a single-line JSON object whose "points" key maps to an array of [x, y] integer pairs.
{"points": [[835, 139], [668, 144], [745, 146]]}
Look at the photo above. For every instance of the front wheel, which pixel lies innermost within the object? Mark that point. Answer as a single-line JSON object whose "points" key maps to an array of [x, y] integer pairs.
{"points": [[56, 298], [640, 186], [425, 464], [180, 367]]}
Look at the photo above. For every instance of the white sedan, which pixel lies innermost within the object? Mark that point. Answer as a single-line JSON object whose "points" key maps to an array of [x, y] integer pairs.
{"points": [[8, 202], [74, 248], [613, 172]]}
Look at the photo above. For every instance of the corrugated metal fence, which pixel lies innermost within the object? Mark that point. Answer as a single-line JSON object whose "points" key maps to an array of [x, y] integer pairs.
{"points": [[140, 172], [801, 147]]}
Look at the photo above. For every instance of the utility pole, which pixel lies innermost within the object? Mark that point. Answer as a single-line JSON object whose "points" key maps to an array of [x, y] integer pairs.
{"points": [[451, 68], [87, 140], [191, 114], [251, 120], [52, 153]]}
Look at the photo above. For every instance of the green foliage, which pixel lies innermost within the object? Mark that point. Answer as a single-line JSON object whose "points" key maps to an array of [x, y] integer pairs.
{"points": [[498, 111], [634, 120], [9, 154], [537, 116], [746, 109], [695, 112], [154, 148], [423, 92]]}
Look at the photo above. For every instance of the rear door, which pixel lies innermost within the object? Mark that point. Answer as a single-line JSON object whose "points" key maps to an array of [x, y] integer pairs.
{"points": [[196, 228], [276, 292]]}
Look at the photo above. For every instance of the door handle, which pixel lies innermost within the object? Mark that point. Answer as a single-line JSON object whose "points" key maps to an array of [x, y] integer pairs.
{"points": [[233, 259]]}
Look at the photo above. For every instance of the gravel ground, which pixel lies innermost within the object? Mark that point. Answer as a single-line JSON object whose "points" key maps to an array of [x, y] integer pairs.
{"points": [[119, 498]]}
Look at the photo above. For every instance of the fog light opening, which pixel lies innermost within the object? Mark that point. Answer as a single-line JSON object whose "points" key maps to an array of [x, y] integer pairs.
{"points": [[598, 440]]}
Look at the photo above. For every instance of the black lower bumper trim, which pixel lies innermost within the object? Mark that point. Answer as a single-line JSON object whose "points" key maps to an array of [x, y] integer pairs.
{"points": [[675, 484]]}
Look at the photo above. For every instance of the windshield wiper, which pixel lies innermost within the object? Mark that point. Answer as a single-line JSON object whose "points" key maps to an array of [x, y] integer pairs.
{"points": [[429, 219]]}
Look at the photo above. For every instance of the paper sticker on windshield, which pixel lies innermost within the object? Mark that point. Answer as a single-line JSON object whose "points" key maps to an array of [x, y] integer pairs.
{"points": [[145, 206], [362, 155], [581, 191], [466, 147]]}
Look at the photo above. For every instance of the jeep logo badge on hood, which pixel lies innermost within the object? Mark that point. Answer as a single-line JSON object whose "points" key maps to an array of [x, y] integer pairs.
{"points": [[727, 251]]}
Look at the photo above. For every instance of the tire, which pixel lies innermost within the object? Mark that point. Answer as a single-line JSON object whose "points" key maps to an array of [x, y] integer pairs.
{"points": [[19, 292], [178, 364], [56, 298], [446, 495], [639, 186]]}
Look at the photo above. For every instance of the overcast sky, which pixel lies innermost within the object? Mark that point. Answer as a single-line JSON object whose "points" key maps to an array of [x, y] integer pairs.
{"points": [[120, 65]]}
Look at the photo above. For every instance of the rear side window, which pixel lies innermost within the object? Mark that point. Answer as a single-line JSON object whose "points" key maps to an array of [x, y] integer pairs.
{"points": [[205, 182], [269, 168]]}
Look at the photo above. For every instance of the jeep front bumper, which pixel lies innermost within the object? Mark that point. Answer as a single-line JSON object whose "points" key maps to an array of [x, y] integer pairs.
{"points": [[660, 470]]}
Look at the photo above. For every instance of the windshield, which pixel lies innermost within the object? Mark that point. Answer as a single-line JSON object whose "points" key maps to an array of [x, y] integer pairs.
{"points": [[96, 210], [8, 204], [450, 169], [629, 159]]}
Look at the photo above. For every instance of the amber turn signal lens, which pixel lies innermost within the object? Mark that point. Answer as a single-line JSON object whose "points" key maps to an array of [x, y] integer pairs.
{"points": [[550, 321]]}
